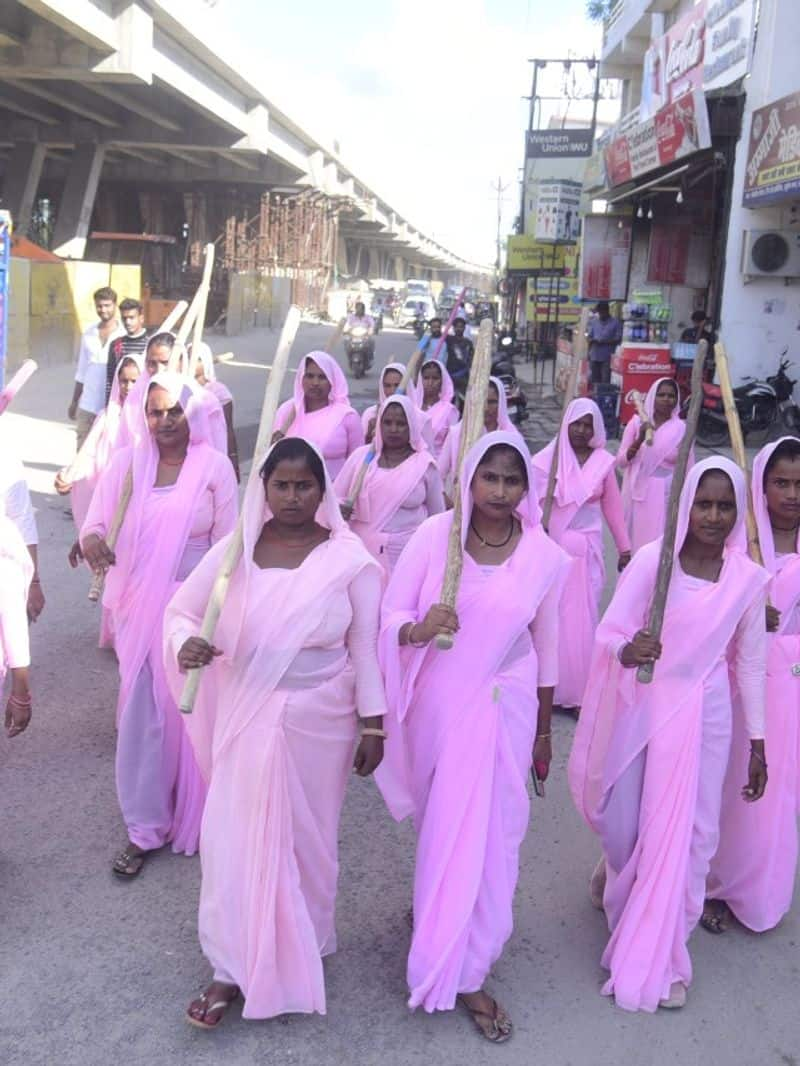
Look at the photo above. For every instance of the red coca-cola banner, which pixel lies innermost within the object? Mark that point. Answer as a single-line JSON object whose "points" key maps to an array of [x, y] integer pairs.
{"points": [[677, 130]]}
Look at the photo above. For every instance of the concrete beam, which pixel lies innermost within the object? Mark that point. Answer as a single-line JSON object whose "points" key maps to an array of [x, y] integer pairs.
{"points": [[19, 107], [64, 102], [78, 18], [23, 171], [77, 201], [123, 99]]}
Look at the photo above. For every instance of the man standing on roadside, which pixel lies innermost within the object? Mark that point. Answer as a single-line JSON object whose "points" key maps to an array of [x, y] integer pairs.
{"points": [[89, 394], [604, 334], [132, 342]]}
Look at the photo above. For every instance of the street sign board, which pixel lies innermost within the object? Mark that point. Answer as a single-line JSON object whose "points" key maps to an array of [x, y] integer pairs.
{"points": [[559, 144]]}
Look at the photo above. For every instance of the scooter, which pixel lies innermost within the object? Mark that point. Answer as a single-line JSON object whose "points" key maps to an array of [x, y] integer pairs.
{"points": [[360, 349], [760, 404], [516, 401], [419, 326]]}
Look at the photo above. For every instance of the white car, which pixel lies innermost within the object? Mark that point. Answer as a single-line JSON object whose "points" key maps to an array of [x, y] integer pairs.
{"points": [[408, 312]]}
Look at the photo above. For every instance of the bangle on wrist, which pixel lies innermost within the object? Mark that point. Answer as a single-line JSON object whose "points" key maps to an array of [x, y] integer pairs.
{"points": [[370, 731], [35, 581], [543, 736]]}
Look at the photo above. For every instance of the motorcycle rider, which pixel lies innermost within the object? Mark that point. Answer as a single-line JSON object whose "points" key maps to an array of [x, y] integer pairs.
{"points": [[460, 351], [431, 341], [359, 317]]}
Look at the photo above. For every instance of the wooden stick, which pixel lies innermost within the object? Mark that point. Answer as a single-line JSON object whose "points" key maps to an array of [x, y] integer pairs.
{"points": [[202, 306], [656, 620], [637, 399], [402, 388], [99, 579], [233, 552], [172, 317], [194, 307], [737, 446], [552, 474], [471, 429], [20, 378]]}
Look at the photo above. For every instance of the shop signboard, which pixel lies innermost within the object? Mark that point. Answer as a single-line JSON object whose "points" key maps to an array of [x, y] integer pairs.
{"points": [[668, 254], [773, 155], [557, 217], [544, 293], [559, 144], [527, 257], [605, 257], [677, 130], [708, 48]]}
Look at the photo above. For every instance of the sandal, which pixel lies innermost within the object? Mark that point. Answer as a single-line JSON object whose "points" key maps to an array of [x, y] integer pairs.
{"points": [[676, 999], [715, 916], [500, 1025], [129, 862], [597, 885], [220, 1005]]}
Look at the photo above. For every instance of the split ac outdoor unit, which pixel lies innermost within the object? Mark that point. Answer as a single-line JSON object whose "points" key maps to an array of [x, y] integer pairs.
{"points": [[771, 253]]}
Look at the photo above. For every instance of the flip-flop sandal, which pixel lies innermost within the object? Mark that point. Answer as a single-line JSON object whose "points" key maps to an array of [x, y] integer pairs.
{"points": [[716, 921], [129, 863], [597, 885], [208, 1008], [502, 1026]]}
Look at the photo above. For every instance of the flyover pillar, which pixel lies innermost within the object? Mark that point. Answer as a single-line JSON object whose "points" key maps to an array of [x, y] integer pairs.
{"points": [[77, 201], [374, 270], [22, 182]]}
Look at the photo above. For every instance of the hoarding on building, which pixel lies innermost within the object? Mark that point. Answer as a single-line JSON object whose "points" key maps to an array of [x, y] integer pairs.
{"points": [[773, 155], [559, 144], [528, 257], [551, 298], [605, 257], [709, 48], [557, 216], [677, 130]]}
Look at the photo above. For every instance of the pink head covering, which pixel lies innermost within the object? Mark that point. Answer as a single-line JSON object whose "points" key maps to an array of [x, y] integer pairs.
{"points": [[339, 393], [528, 509], [503, 421], [448, 388], [763, 524], [736, 538], [413, 417], [666, 440], [398, 368], [650, 399]]}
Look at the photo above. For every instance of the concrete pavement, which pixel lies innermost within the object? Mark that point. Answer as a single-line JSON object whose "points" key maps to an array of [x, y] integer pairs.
{"points": [[96, 972]]}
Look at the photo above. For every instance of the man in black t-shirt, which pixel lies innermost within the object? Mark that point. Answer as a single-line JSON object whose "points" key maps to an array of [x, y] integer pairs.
{"points": [[133, 343]]}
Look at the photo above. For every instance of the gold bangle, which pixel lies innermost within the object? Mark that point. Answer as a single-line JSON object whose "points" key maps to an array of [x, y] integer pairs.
{"points": [[371, 732], [543, 736]]}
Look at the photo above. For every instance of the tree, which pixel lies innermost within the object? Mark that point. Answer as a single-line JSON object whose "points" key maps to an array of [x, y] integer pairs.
{"points": [[599, 10]]}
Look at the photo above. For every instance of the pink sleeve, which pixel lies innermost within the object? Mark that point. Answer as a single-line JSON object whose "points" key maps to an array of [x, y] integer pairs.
{"points": [[750, 665], [14, 642], [628, 437], [611, 502], [362, 642], [105, 496], [434, 495], [355, 435], [225, 491], [544, 633]]}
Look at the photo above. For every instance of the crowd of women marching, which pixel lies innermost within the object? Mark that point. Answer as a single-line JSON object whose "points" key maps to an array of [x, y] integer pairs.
{"points": [[325, 661]]}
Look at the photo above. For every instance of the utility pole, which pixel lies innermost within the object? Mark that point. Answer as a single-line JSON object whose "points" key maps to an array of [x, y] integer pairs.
{"points": [[499, 188]]}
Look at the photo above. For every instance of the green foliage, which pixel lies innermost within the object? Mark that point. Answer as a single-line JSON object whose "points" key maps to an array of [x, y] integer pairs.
{"points": [[599, 10]]}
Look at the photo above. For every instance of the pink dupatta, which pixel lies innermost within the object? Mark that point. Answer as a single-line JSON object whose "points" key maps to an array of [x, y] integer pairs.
{"points": [[383, 490], [666, 441], [317, 427]]}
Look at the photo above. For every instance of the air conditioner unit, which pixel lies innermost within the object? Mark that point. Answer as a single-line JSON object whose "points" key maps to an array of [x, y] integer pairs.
{"points": [[771, 253]]}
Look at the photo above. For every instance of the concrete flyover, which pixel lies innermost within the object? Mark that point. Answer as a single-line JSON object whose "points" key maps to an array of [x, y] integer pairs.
{"points": [[108, 105]]}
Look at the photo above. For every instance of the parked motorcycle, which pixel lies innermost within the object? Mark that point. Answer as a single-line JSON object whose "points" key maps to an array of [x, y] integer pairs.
{"points": [[760, 405], [419, 327], [360, 349], [516, 401]]}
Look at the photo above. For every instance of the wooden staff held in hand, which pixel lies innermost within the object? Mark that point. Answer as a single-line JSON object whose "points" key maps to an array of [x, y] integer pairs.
{"points": [[171, 320], [233, 552], [199, 302], [19, 379], [637, 400], [666, 559], [471, 430], [552, 475], [737, 447]]}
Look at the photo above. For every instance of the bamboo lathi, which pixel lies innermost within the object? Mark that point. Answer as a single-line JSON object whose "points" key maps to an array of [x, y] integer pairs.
{"points": [[471, 430], [99, 579], [737, 446], [19, 379], [637, 400], [233, 552], [199, 301], [552, 474], [656, 618], [172, 318]]}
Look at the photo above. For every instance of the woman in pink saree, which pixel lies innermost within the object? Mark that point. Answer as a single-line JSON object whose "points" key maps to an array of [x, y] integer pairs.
{"points": [[464, 725], [495, 416], [434, 396], [753, 872], [586, 493], [16, 571], [401, 488], [274, 729], [320, 411], [184, 500], [389, 382], [648, 468], [648, 761], [206, 378]]}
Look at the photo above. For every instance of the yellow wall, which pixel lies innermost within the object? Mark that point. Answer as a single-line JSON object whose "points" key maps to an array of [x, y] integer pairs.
{"points": [[51, 304]]}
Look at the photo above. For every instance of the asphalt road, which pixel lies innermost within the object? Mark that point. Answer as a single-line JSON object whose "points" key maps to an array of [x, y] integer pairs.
{"points": [[95, 972]]}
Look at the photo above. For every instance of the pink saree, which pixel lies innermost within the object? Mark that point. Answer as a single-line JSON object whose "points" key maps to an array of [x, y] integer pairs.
{"points": [[648, 761], [756, 863], [647, 479], [165, 533], [274, 730], [334, 430], [461, 729], [584, 496], [384, 491]]}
